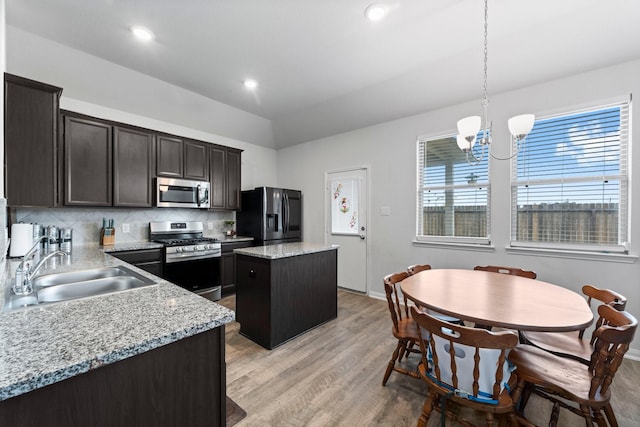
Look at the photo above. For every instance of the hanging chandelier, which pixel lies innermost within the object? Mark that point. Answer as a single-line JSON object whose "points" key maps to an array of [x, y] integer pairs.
{"points": [[468, 128]]}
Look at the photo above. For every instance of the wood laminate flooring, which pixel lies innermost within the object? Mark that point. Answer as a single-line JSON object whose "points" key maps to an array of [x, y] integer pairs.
{"points": [[332, 375]]}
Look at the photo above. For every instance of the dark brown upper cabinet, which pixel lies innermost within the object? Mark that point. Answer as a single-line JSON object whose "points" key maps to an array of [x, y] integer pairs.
{"points": [[233, 179], [225, 177], [88, 162], [196, 160], [169, 161], [218, 174], [31, 155], [133, 167]]}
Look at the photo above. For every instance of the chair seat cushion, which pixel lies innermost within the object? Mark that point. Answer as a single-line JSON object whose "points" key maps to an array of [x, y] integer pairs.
{"points": [[440, 316], [504, 403], [561, 376], [465, 360], [564, 344]]}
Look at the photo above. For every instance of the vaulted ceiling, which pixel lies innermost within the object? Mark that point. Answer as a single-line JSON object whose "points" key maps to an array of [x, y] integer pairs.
{"points": [[323, 68]]}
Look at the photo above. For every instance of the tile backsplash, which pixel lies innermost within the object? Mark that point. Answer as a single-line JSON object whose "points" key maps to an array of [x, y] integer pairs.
{"points": [[86, 222]]}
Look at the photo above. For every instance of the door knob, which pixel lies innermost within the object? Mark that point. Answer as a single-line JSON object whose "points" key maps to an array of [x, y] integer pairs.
{"points": [[362, 237]]}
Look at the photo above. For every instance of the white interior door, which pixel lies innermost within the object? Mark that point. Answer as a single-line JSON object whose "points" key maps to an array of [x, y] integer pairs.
{"points": [[346, 225]]}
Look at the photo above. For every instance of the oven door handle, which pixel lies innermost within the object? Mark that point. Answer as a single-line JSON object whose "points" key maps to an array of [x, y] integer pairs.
{"points": [[188, 257]]}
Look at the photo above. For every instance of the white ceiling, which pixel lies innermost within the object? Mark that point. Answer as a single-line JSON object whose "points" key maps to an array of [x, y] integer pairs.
{"points": [[323, 68]]}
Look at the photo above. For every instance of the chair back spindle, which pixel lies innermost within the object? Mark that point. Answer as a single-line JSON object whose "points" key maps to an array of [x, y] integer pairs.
{"points": [[611, 342], [467, 359], [404, 328], [398, 312]]}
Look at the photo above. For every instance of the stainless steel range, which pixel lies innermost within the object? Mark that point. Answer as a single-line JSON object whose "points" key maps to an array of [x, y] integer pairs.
{"points": [[190, 260]]}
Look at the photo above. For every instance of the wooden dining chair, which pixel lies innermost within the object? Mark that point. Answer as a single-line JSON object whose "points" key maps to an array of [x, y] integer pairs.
{"points": [[572, 344], [584, 390], [417, 268], [467, 366], [404, 327], [514, 271]]}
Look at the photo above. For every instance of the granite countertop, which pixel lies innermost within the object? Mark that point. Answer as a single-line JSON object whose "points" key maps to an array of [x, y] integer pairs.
{"points": [[228, 239], [132, 246], [284, 250], [45, 344]]}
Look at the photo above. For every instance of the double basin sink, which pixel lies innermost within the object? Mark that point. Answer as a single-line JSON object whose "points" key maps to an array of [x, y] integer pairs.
{"points": [[58, 287]]}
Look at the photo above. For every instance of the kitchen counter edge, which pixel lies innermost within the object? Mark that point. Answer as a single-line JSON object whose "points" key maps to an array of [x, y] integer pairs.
{"points": [[49, 343], [284, 250]]}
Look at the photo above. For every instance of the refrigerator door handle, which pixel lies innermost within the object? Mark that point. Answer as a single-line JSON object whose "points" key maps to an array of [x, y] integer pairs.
{"points": [[288, 216], [285, 213]]}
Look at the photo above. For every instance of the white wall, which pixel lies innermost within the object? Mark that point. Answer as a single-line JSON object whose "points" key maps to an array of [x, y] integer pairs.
{"points": [[102, 89], [92, 79], [390, 149]]}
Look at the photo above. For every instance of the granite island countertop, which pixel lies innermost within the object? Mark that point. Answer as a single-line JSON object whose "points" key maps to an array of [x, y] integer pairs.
{"points": [[285, 250], [44, 344]]}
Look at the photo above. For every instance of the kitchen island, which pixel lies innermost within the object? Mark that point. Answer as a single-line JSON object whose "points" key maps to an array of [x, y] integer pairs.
{"points": [[152, 356], [285, 290]]}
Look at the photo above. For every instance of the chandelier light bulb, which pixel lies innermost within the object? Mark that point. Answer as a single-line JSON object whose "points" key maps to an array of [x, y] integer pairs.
{"points": [[469, 126], [464, 144], [521, 125]]}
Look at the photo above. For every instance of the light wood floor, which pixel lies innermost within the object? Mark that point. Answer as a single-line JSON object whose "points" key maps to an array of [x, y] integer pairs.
{"points": [[332, 375]]}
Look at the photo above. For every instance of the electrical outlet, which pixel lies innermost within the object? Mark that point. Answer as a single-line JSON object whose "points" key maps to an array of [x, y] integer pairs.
{"points": [[126, 228], [210, 225], [385, 210]]}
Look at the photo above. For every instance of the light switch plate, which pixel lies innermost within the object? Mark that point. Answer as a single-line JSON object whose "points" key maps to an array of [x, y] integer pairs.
{"points": [[385, 210], [126, 228]]}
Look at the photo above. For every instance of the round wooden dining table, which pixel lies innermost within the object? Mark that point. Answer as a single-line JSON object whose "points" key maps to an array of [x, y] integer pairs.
{"points": [[500, 300]]}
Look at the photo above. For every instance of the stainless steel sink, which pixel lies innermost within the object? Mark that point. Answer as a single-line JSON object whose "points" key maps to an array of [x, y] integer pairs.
{"points": [[58, 287], [82, 276], [88, 288]]}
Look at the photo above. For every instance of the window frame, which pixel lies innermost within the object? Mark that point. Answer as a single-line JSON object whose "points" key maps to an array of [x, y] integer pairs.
{"points": [[420, 238], [624, 175]]}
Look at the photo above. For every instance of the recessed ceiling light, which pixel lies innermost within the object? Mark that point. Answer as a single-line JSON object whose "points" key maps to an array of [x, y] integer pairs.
{"points": [[250, 84], [142, 33], [375, 12]]}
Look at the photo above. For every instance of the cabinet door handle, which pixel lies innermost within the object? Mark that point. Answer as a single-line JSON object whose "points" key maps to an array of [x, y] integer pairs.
{"points": [[252, 273]]}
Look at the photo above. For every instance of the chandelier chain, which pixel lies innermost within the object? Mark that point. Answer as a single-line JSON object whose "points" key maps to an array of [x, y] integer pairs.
{"points": [[486, 48], [467, 138]]}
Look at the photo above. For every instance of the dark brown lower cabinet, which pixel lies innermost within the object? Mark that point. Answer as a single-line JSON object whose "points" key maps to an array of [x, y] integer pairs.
{"points": [[146, 259], [279, 299], [179, 384], [228, 265]]}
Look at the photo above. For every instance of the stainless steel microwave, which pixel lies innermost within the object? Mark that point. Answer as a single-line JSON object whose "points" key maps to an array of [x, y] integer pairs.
{"points": [[181, 193]]}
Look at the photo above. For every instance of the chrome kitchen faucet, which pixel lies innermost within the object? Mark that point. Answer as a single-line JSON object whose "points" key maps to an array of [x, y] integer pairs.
{"points": [[25, 272]]}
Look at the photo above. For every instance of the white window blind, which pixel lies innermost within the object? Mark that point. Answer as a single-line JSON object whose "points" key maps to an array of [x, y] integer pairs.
{"points": [[570, 186], [452, 199]]}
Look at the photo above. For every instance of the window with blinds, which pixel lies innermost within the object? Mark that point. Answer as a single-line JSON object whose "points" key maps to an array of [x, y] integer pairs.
{"points": [[570, 185], [452, 201]]}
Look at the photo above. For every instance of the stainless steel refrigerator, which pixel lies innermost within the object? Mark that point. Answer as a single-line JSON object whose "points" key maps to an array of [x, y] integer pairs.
{"points": [[271, 215]]}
